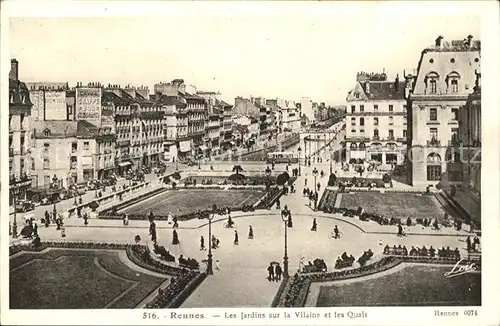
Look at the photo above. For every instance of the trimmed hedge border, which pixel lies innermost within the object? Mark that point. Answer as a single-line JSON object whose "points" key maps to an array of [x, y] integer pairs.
{"points": [[129, 202], [296, 294], [280, 291]]}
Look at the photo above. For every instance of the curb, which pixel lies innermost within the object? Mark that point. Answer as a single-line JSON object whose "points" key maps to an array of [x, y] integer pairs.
{"points": [[218, 220]]}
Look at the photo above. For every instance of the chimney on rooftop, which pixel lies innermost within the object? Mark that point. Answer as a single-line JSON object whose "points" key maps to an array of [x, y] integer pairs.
{"points": [[469, 41], [396, 84], [367, 86], [438, 41], [14, 69]]}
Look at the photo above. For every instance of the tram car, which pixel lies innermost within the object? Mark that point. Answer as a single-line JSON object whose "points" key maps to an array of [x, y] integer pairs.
{"points": [[282, 157]]}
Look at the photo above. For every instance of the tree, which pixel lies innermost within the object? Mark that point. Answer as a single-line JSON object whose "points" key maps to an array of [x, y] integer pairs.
{"points": [[166, 180], [332, 180], [93, 205], [282, 178], [176, 175], [237, 169]]}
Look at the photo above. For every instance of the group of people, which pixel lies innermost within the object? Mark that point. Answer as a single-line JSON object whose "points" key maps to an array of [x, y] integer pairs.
{"points": [[473, 245], [312, 195], [274, 272], [344, 261]]}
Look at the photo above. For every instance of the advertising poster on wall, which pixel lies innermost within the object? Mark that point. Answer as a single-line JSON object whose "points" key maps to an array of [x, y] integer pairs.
{"points": [[88, 105], [55, 106]]}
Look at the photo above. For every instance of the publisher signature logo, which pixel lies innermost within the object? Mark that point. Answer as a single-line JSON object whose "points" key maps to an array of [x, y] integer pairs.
{"points": [[460, 269]]}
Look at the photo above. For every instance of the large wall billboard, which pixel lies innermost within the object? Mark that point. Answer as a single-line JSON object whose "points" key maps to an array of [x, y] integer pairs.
{"points": [[88, 105], [55, 105]]}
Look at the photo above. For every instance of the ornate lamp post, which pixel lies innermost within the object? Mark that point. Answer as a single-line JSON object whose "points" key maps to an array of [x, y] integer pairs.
{"points": [[14, 193], [299, 149], [268, 175], [284, 217], [305, 149], [331, 159], [209, 261], [315, 174]]}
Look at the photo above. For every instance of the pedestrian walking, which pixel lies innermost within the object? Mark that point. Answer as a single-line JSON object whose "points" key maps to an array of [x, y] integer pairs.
{"points": [[176, 225], [290, 222], [35, 229], [152, 231], [235, 237], [175, 238], [202, 243], [305, 182], [217, 265], [270, 272], [250, 232], [85, 218], [47, 219], [278, 272], [314, 226], [469, 244], [169, 217], [278, 203]]}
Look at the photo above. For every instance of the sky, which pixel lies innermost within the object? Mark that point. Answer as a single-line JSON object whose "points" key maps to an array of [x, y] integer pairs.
{"points": [[286, 55]]}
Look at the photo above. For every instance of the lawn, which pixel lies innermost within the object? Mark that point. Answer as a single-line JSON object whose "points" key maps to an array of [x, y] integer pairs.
{"points": [[76, 279], [398, 205], [186, 201], [412, 286]]}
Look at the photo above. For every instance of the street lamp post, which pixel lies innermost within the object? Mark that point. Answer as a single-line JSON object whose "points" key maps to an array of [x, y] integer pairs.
{"points": [[284, 217], [15, 192], [305, 148], [299, 149], [331, 159], [315, 174], [209, 260]]}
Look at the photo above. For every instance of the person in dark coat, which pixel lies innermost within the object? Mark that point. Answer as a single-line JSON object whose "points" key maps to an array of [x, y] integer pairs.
{"points": [[152, 231], [278, 204], [250, 232], [151, 216], [176, 225], [85, 218], [469, 244], [202, 243], [175, 238], [314, 226], [35, 230], [235, 237], [47, 219], [270, 271], [278, 271]]}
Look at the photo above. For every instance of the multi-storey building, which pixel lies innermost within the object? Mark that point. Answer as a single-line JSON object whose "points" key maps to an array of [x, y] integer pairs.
{"points": [[444, 80], [20, 142], [66, 150], [306, 109], [197, 115], [140, 124], [49, 101], [376, 120], [469, 138], [177, 144]]}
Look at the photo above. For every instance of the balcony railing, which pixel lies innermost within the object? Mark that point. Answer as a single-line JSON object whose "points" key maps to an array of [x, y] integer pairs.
{"points": [[433, 143]]}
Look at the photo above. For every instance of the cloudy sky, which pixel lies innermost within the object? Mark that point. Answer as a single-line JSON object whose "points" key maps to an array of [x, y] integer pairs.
{"points": [[282, 50]]}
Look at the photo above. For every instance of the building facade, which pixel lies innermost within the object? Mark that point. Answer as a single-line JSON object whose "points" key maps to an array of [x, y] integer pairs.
{"points": [[66, 150], [20, 134], [469, 140], [445, 78], [376, 120], [49, 101]]}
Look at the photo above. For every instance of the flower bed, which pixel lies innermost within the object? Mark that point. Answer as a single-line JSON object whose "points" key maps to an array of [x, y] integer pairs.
{"points": [[327, 201], [279, 293], [63, 244], [299, 288], [109, 213], [270, 198], [141, 256]]}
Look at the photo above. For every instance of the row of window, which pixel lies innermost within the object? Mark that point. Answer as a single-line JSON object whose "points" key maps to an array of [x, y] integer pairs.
{"points": [[376, 133], [434, 117], [375, 108], [375, 121], [432, 80]]}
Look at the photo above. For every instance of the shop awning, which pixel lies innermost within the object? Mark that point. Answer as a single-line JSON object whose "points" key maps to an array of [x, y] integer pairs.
{"points": [[124, 163], [185, 146], [203, 148]]}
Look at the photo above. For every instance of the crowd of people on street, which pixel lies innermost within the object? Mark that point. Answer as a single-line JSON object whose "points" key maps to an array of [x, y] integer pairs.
{"points": [[274, 272]]}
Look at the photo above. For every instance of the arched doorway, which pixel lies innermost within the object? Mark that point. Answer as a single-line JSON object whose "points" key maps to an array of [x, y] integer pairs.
{"points": [[433, 167]]}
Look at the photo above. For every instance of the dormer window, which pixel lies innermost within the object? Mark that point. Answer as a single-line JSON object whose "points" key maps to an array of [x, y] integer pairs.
{"points": [[431, 81], [452, 82], [46, 132]]}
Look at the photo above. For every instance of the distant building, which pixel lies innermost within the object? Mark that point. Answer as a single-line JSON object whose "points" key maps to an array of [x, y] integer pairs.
{"points": [[444, 80], [20, 132], [376, 120], [306, 109]]}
